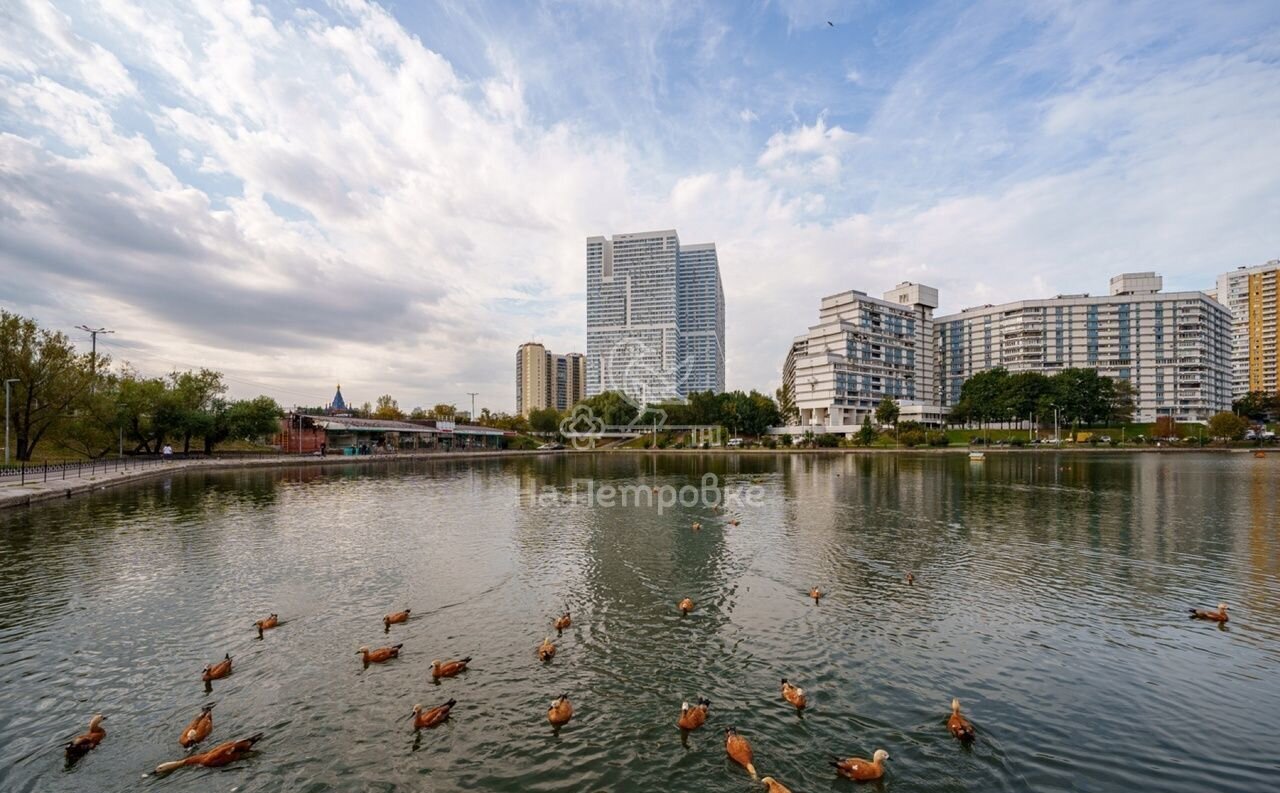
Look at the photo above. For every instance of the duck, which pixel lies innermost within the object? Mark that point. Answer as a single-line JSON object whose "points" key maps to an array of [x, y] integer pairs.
{"points": [[198, 729], [794, 694], [739, 750], [686, 605], [911, 579], [1204, 614], [861, 770], [395, 618], [426, 719], [266, 624], [733, 521], [379, 655], [691, 718], [546, 650], [83, 744], [561, 711], [816, 594], [449, 668], [563, 622], [218, 756], [697, 526], [217, 671], [960, 727], [772, 785]]}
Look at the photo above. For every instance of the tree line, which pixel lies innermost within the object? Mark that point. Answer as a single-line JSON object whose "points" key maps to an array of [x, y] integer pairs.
{"points": [[79, 402], [1079, 396]]}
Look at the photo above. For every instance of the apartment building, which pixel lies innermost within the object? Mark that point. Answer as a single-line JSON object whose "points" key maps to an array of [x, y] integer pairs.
{"points": [[1252, 295], [544, 379]]}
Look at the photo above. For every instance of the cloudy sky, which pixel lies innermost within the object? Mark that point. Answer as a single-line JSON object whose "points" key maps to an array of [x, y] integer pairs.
{"points": [[395, 196]]}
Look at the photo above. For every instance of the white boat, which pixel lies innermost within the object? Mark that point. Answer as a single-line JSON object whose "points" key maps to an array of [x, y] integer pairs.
{"points": [[977, 455]]}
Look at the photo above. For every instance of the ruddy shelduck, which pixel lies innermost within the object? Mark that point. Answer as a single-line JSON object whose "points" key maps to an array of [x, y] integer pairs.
{"points": [[772, 785], [379, 655], [434, 717], [546, 650], [395, 618], [563, 622], [861, 770], [1204, 614], [910, 579], [733, 521], [561, 711], [794, 694], [218, 756], [960, 727], [81, 745], [697, 526], [198, 729], [739, 750], [217, 671], [266, 624], [686, 605], [816, 594], [449, 668], [693, 717]]}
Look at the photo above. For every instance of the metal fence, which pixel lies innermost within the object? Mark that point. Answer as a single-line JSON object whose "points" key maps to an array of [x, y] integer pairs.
{"points": [[45, 472]]}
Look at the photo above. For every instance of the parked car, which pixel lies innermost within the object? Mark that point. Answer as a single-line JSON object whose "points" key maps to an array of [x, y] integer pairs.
{"points": [[734, 442], [550, 447], [1105, 439]]}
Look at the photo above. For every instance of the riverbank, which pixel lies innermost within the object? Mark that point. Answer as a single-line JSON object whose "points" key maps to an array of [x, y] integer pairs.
{"points": [[21, 494], [1064, 449]]}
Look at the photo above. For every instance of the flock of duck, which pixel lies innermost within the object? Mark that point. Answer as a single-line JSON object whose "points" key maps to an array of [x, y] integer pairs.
{"points": [[559, 713]]}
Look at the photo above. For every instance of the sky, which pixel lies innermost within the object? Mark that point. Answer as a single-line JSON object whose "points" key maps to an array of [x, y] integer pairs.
{"points": [[395, 196]]}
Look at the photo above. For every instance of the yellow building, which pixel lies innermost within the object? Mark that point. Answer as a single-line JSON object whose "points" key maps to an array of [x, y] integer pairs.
{"points": [[544, 379], [1253, 296]]}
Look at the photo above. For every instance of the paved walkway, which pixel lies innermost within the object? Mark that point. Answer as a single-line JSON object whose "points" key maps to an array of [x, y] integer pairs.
{"points": [[64, 484]]}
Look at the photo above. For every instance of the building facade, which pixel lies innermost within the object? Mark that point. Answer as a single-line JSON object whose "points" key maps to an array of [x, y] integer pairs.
{"points": [[655, 317], [544, 379], [1173, 348], [862, 351], [1252, 295]]}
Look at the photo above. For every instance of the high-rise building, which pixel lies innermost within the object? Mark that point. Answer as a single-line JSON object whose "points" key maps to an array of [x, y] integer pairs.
{"points": [[655, 317], [862, 351], [544, 379], [1252, 295], [1173, 348]]}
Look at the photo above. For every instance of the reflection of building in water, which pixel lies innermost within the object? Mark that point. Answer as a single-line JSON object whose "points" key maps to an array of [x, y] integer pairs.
{"points": [[1264, 532]]}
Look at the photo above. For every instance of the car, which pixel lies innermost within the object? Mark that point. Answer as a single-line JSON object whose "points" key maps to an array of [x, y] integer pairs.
{"points": [[734, 442], [1105, 439], [550, 447]]}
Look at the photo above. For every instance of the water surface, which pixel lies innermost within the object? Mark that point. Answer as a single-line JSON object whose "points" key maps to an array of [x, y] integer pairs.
{"points": [[1050, 598]]}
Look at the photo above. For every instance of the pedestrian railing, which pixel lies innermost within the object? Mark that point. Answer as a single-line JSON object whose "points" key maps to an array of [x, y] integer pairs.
{"points": [[47, 472]]}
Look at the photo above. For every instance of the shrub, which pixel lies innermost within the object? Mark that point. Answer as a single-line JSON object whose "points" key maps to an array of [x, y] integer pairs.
{"points": [[1018, 441], [786, 440], [827, 441], [938, 439], [911, 438]]}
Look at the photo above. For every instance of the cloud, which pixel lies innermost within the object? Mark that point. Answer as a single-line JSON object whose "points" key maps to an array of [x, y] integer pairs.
{"points": [[807, 152]]}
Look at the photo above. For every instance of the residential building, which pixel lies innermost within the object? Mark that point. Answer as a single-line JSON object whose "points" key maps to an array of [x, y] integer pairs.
{"points": [[1173, 348], [544, 379], [862, 351], [1252, 295], [655, 317]]}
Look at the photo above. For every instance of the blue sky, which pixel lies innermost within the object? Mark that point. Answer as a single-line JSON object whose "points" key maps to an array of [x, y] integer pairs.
{"points": [[395, 196]]}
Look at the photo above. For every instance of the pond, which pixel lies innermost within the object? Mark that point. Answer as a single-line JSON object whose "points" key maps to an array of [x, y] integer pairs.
{"points": [[1050, 596]]}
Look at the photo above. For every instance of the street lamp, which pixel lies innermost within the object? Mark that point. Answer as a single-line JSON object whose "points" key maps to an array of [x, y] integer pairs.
{"points": [[7, 384]]}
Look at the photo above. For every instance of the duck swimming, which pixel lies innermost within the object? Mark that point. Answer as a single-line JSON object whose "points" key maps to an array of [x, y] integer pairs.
{"points": [[266, 624], [395, 618], [860, 770], [1203, 614], [739, 750], [87, 742], [960, 727], [816, 594], [910, 579], [562, 622], [198, 729], [546, 650], [794, 694], [691, 718], [697, 526], [449, 668], [217, 671], [218, 756], [686, 605], [772, 785], [560, 711], [379, 655], [426, 719]]}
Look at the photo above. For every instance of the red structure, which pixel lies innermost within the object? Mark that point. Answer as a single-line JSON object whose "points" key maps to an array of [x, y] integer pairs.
{"points": [[299, 435]]}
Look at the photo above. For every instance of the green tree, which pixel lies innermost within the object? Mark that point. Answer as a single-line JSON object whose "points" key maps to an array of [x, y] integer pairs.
{"points": [[1123, 402], [786, 404], [244, 419], [1228, 425], [611, 407], [887, 412], [545, 420], [51, 376], [186, 409], [866, 435], [443, 412], [1257, 405]]}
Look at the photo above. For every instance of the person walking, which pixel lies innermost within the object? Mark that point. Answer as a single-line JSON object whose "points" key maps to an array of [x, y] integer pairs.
{"points": [[167, 452]]}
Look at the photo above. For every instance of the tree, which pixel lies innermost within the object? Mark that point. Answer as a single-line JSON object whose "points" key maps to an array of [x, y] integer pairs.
{"points": [[611, 407], [1228, 425], [1257, 405], [51, 375], [866, 435], [887, 412], [185, 411], [417, 414], [787, 405], [443, 412], [388, 409], [545, 420], [244, 419], [1123, 398]]}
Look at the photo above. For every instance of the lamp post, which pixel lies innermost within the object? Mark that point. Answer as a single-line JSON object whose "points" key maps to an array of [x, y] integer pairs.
{"points": [[472, 417], [7, 384], [93, 357]]}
